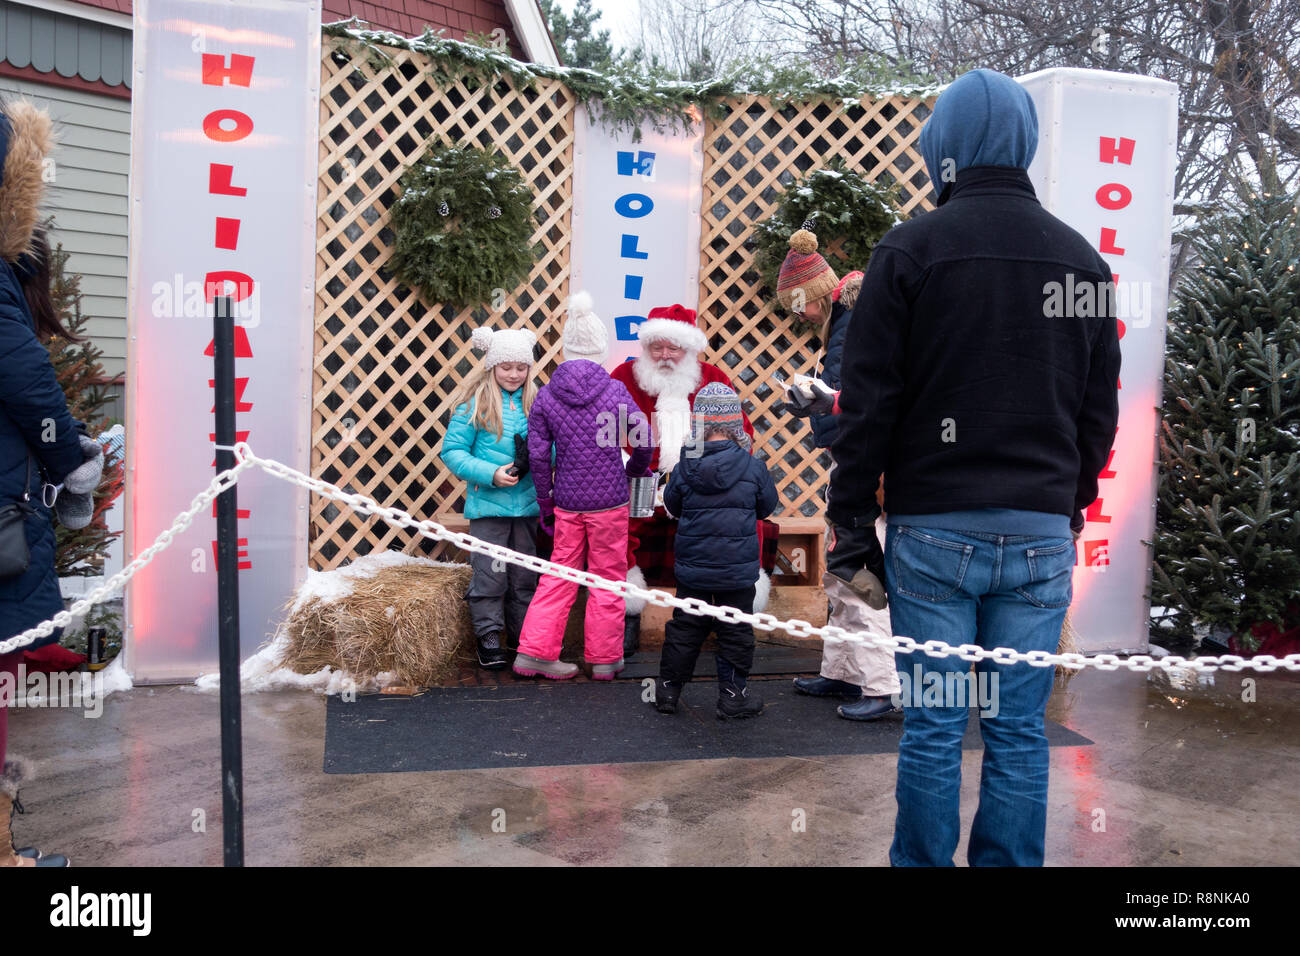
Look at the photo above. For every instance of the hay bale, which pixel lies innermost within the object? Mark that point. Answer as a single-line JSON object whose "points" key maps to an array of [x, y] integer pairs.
{"points": [[408, 618]]}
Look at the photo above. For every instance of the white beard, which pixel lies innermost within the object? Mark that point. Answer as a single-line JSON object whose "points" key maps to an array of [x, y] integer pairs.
{"points": [[671, 389]]}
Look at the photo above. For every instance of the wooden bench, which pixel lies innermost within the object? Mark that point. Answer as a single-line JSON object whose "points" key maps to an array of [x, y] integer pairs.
{"points": [[796, 581]]}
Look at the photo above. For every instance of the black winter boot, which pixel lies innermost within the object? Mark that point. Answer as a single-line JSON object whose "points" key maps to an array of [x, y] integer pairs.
{"points": [[736, 701], [667, 693], [631, 634], [491, 655]]}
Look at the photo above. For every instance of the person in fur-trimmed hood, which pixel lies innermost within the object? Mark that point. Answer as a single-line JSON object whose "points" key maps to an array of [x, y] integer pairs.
{"points": [[664, 380], [39, 442]]}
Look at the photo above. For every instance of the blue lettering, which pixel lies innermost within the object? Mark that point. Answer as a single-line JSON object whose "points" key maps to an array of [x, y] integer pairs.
{"points": [[628, 249], [632, 286], [626, 327], [644, 205], [636, 164]]}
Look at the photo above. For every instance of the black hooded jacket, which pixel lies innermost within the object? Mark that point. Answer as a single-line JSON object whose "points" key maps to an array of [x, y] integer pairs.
{"points": [[957, 383]]}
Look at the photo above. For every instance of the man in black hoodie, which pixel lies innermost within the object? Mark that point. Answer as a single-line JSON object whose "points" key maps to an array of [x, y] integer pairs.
{"points": [[990, 421]]}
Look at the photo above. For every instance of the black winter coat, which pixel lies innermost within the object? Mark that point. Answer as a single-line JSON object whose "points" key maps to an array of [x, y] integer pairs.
{"points": [[957, 383], [33, 411], [826, 427], [718, 498]]}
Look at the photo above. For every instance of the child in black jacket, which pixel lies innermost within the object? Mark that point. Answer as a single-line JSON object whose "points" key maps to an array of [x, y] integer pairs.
{"points": [[718, 492]]}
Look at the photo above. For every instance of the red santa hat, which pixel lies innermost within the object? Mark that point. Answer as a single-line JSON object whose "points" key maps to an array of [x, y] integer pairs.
{"points": [[676, 324]]}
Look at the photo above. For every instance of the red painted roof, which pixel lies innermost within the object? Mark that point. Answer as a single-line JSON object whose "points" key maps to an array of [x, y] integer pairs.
{"points": [[409, 17]]}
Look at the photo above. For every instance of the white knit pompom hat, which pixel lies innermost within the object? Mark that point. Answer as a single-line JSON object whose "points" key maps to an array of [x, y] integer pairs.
{"points": [[584, 334], [503, 345]]}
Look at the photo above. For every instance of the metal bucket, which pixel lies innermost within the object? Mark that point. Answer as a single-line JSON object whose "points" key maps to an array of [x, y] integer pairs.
{"points": [[642, 491]]}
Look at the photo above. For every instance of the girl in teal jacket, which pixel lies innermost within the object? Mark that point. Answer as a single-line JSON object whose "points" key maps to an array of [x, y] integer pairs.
{"points": [[486, 446]]}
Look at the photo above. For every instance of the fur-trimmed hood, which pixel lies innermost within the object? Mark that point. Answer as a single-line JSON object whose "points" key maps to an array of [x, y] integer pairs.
{"points": [[26, 138]]}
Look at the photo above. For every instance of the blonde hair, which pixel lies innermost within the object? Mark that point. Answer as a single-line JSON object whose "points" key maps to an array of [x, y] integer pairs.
{"points": [[481, 393]]}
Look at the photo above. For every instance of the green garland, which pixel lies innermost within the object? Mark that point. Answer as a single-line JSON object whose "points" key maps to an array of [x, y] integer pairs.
{"points": [[462, 226], [626, 98], [837, 203]]}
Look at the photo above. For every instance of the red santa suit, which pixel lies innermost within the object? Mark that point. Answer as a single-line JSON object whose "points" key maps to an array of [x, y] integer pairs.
{"points": [[666, 399]]}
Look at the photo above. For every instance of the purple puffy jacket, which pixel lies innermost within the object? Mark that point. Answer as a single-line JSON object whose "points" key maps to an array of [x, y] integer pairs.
{"points": [[581, 411]]}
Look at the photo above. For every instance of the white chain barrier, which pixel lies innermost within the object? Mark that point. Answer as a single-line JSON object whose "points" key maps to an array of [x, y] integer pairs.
{"points": [[245, 459]]}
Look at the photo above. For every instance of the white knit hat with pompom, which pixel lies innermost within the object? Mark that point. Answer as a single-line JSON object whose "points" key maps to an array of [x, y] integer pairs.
{"points": [[503, 345], [584, 334]]}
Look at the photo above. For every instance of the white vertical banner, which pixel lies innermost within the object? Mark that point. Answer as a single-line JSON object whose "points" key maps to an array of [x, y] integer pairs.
{"points": [[224, 153], [636, 223], [1107, 150]]}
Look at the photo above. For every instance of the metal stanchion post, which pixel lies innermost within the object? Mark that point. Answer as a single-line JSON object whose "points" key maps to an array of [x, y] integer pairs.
{"points": [[232, 759]]}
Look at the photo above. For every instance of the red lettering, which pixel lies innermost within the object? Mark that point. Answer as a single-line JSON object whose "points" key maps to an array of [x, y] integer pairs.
{"points": [[241, 552], [214, 130], [215, 283], [1122, 150], [216, 73], [1096, 553], [239, 512], [1094, 512], [242, 348], [240, 385], [1108, 243], [219, 176], [1112, 195], [227, 233], [1105, 471]]}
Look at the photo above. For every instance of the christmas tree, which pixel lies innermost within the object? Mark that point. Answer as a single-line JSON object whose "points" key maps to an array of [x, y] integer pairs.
{"points": [[1227, 544], [77, 364]]}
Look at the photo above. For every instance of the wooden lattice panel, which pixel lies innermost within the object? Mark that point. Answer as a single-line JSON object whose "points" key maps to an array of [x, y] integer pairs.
{"points": [[386, 362], [750, 156]]}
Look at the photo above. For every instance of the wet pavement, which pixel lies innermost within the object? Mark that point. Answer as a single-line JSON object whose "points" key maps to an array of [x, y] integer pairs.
{"points": [[1180, 774]]}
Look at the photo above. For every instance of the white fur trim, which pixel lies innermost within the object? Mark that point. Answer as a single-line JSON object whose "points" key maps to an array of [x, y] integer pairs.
{"points": [[762, 591], [635, 605], [689, 337]]}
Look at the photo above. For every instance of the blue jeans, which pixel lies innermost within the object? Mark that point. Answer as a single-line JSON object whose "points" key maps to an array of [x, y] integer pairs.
{"points": [[966, 587]]}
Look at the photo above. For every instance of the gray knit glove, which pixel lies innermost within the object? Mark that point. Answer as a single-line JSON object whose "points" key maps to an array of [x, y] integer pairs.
{"points": [[84, 479], [74, 511]]}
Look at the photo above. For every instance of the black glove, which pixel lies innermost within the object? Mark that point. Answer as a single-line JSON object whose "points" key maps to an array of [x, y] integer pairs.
{"points": [[520, 467], [848, 549], [801, 406]]}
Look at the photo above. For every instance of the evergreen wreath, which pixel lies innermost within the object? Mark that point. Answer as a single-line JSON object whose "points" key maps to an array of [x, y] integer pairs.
{"points": [[463, 226], [848, 214]]}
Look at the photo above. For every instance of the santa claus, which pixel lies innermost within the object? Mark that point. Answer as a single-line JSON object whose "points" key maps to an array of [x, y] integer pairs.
{"points": [[664, 380]]}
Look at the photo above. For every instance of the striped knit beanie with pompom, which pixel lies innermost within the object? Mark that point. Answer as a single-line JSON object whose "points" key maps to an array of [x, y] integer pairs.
{"points": [[804, 268]]}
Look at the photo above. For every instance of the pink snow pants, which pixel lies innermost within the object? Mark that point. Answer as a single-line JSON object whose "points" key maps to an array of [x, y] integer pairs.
{"points": [[595, 541]]}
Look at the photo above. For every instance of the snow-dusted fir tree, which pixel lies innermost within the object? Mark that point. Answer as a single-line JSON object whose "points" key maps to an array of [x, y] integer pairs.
{"points": [[1227, 546]]}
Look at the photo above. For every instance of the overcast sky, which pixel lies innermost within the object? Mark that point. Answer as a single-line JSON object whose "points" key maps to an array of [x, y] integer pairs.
{"points": [[617, 16]]}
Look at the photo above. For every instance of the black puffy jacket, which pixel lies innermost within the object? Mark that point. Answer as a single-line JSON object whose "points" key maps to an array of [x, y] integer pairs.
{"points": [[718, 498], [826, 427]]}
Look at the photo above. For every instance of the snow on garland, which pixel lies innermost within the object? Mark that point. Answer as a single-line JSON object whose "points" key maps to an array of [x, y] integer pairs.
{"points": [[848, 214], [627, 98], [463, 226]]}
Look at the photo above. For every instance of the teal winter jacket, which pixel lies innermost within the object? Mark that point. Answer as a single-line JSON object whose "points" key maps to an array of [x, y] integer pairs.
{"points": [[474, 455]]}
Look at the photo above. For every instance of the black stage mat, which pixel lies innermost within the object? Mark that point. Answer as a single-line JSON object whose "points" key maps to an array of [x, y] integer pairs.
{"points": [[768, 659], [534, 724]]}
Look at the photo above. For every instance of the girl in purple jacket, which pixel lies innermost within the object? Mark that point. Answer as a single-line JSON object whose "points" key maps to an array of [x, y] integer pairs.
{"points": [[583, 496]]}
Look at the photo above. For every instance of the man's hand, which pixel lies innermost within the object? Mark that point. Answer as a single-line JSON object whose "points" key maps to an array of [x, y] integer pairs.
{"points": [[854, 555]]}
